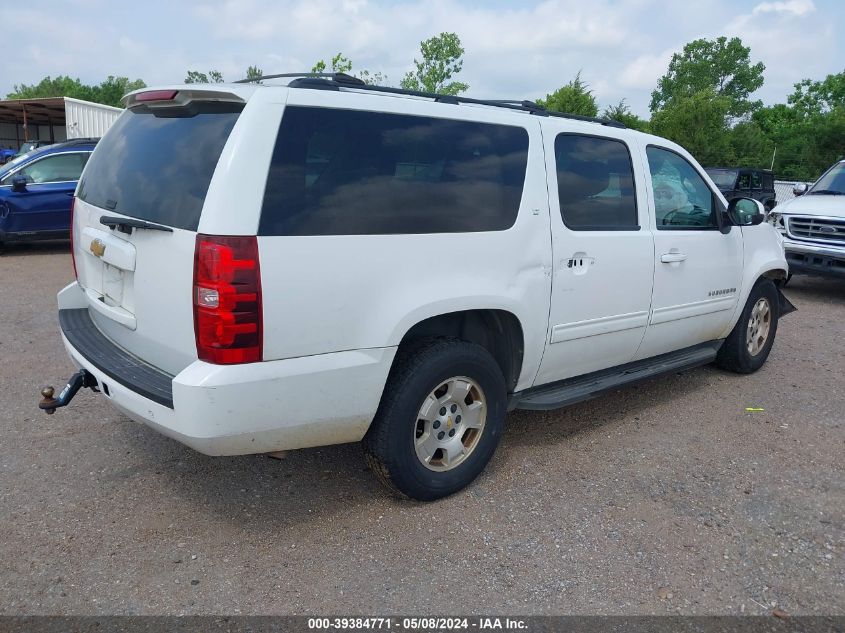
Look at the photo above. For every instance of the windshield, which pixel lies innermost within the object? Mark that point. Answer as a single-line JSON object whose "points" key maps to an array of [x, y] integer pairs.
{"points": [[723, 178], [832, 182], [156, 165]]}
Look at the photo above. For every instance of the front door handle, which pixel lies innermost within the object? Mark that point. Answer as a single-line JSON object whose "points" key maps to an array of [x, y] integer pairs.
{"points": [[671, 258]]}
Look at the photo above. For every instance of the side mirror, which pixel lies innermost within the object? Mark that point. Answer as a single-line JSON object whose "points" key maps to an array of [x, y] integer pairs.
{"points": [[19, 184], [800, 189], [746, 212]]}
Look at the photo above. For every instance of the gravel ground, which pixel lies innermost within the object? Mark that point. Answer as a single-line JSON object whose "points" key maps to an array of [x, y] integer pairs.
{"points": [[664, 498]]}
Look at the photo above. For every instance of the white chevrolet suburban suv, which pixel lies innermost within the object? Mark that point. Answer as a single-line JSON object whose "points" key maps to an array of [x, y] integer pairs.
{"points": [[271, 267], [813, 225]]}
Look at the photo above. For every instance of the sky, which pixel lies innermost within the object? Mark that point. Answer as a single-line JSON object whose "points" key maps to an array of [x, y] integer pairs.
{"points": [[514, 50]]}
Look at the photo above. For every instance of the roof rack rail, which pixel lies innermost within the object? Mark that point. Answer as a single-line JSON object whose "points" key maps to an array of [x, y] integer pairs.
{"points": [[341, 78], [336, 81]]}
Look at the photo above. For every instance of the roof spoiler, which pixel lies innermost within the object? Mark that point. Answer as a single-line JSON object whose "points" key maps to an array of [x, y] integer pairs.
{"points": [[177, 97]]}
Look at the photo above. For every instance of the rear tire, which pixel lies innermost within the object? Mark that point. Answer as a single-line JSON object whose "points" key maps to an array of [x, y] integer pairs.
{"points": [[440, 419], [749, 343]]}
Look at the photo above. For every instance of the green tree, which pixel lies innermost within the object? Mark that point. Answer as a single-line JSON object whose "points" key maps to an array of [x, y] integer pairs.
{"points": [[622, 113], [61, 86], [749, 146], [442, 59], [341, 64], [109, 92], [254, 72], [721, 65], [827, 142], [374, 79], [573, 98], [818, 97], [698, 123], [212, 77], [809, 131]]}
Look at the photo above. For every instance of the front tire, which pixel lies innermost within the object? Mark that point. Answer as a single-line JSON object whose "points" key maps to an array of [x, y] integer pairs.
{"points": [[749, 343], [440, 419]]}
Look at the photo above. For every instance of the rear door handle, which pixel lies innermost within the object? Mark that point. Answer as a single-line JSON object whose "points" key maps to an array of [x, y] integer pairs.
{"points": [[671, 258]]}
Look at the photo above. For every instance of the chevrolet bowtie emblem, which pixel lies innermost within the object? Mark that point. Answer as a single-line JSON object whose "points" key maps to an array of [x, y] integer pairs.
{"points": [[98, 247]]}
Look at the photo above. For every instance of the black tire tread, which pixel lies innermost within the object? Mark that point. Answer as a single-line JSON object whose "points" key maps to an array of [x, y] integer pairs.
{"points": [[408, 359], [728, 357]]}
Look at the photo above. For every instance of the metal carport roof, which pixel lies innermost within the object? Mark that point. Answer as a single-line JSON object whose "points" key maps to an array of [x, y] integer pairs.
{"points": [[49, 111]]}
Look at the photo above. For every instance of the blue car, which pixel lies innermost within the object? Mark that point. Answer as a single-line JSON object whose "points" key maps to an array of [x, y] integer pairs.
{"points": [[36, 191]]}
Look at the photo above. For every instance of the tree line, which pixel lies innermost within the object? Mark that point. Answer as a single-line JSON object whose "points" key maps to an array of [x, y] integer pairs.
{"points": [[703, 102]]}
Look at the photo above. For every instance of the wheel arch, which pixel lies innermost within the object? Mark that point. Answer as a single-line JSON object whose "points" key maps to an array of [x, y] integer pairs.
{"points": [[498, 331], [773, 272]]}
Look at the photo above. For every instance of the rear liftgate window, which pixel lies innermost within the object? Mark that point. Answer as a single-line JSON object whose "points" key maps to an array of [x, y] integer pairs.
{"points": [[346, 172], [156, 164]]}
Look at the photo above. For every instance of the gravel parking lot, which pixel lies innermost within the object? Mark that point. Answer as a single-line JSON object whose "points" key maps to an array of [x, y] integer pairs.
{"points": [[669, 497]]}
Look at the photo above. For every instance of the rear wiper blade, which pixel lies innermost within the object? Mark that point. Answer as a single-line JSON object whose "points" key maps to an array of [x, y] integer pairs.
{"points": [[827, 192], [125, 225]]}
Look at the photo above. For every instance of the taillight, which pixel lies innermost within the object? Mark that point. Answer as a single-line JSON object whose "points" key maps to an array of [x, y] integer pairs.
{"points": [[72, 253], [227, 299]]}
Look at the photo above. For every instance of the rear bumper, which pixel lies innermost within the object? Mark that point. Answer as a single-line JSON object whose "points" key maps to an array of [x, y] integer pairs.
{"points": [[811, 259], [235, 409]]}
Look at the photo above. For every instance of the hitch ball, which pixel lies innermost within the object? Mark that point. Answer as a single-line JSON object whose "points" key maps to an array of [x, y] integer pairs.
{"points": [[48, 402]]}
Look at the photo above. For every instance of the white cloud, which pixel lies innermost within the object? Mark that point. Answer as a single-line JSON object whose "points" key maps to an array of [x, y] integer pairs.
{"points": [[513, 49], [788, 40], [795, 7], [644, 71]]}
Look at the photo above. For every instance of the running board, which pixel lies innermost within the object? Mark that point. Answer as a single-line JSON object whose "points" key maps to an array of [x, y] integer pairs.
{"points": [[580, 388]]}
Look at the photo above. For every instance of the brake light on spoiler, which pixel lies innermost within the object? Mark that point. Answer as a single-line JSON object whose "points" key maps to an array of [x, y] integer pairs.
{"points": [[227, 299], [156, 95]]}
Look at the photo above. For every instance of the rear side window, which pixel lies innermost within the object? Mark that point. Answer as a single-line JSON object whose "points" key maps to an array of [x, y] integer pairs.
{"points": [[595, 182], [156, 165], [348, 172]]}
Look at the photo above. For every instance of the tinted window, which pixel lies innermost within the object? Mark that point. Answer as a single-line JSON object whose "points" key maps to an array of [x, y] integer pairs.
{"points": [[156, 165], [744, 181], [756, 180], [55, 168], [682, 200], [768, 182], [345, 172], [595, 183]]}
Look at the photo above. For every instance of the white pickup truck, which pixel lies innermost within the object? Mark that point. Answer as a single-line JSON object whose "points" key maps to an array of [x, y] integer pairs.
{"points": [[813, 225], [270, 267]]}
